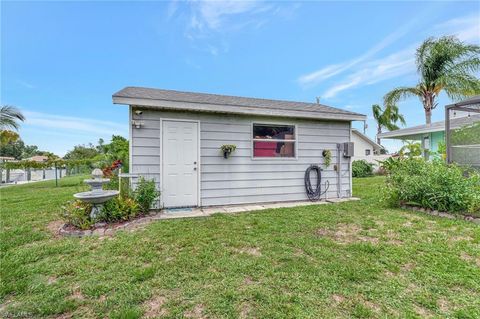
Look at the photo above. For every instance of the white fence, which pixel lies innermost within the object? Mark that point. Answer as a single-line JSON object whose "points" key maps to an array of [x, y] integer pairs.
{"points": [[14, 176]]}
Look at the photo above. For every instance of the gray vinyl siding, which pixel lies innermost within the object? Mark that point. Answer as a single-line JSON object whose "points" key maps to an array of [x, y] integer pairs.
{"points": [[241, 179]]}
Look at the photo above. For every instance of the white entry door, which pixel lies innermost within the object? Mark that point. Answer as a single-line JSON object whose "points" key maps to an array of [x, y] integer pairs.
{"points": [[180, 164]]}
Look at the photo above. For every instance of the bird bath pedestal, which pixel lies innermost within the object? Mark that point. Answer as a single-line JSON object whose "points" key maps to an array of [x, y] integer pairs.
{"points": [[96, 196]]}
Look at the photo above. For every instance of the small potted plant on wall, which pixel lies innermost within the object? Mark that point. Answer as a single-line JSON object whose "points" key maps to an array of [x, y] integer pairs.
{"points": [[327, 157], [227, 149]]}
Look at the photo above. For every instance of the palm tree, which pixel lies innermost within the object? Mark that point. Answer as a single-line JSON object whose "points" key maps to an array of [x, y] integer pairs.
{"points": [[9, 118], [387, 118], [445, 64]]}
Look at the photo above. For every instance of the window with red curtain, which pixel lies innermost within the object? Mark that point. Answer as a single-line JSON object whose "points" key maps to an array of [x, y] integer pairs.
{"points": [[272, 140]]}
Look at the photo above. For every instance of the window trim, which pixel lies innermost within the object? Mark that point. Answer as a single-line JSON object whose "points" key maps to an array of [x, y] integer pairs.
{"points": [[252, 140]]}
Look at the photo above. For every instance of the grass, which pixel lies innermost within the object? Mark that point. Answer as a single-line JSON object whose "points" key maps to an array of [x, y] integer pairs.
{"points": [[355, 259]]}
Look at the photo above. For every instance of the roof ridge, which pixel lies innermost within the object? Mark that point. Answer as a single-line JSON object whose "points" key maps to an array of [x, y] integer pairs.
{"points": [[242, 97]]}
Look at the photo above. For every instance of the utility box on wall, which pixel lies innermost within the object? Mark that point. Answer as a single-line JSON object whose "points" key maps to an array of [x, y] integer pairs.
{"points": [[348, 149]]}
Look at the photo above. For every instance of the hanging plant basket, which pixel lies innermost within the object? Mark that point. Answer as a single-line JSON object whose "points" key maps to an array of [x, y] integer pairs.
{"points": [[227, 149], [327, 157]]}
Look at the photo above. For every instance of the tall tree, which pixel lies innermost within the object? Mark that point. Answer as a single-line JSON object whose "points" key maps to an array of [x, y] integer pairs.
{"points": [[445, 64], [387, 118], [10, 117]]}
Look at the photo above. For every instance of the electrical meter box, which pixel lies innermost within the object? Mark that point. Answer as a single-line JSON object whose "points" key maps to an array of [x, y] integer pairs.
{"points": [[348, 149]]}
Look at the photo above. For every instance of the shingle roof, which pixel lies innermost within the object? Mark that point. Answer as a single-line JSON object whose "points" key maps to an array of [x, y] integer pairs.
{"points": [[428, 128], [229, 104]]}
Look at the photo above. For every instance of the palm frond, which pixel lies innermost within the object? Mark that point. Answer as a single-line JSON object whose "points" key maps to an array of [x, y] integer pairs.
{"points": [[9, 117], [398, 94]]}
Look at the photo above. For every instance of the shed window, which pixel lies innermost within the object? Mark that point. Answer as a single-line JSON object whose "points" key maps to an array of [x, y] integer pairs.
{"points": [[367, 152], [272, 140]]}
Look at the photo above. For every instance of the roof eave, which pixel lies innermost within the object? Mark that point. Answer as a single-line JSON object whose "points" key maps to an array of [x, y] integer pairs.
{"points": [[395, 134], [240, 110]]}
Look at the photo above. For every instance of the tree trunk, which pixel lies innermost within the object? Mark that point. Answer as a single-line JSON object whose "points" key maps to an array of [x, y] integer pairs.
{"points": [[428, 116], [428, 105]]}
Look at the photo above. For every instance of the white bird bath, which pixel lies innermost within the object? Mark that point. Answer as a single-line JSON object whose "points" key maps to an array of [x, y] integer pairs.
{"points": [[96, 196]]}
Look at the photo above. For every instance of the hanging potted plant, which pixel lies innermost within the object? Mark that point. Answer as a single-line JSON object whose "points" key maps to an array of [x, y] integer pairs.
{"points": [[227, 149], [327, 157]]}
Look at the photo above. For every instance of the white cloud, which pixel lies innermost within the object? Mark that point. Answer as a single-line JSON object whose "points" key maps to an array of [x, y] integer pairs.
{"points": [[329, 71], [213, 14], [374, 71], [26, 84], [465, 28], [209, 21], [73, 124], [368, 70]]}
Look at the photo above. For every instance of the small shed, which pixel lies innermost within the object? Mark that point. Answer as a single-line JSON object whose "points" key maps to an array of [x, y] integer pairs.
{"points": [[176, 138]]}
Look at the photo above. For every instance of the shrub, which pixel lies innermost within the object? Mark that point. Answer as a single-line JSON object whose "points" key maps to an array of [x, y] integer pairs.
{"points": [[362, 168], [145, 194], [119, 208], [433, 185], [77, 213]]}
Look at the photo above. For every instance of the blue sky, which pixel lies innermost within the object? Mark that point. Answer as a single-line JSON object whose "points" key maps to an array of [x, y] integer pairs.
{"points": [[62, 61]]}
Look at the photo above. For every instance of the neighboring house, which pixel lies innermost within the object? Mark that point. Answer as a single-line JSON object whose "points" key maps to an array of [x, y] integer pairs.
{"points": [[429, 135], [38, 158], [176, 139], [365, 147]]}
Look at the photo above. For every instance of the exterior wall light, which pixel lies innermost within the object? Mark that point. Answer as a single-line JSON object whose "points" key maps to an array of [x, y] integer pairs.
{"points": [[137, 123]]}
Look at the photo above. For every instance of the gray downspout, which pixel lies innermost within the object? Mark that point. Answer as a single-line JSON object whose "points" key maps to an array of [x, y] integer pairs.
{"points": [[339, 170]]}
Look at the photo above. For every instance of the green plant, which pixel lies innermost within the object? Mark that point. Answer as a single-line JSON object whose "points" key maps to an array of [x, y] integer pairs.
{"points": [[119, 208], [145, 194], [362, 168], [327, 157], [434, 185], [77, 213], [227, 149], [411, 149], [445, 64], [389, 164]]}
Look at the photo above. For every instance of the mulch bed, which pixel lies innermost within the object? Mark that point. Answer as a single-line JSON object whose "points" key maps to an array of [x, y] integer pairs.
{"points": [[104, 229]]}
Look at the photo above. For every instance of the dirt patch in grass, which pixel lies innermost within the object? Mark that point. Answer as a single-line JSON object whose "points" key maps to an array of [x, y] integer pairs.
{"points": [[459, 238], [338, 298], [51, 280], [77, 294], [196, 312], [253, 251], [67, 315], [467, 257], [54, 227], [422, 312], [245, 310], [443, 305], [372, 306], [154, 307], [248, 281], [346, 234], [407, 267]]}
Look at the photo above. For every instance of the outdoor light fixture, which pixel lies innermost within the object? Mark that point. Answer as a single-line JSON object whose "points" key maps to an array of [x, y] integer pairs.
{"points": [[137, 123]]}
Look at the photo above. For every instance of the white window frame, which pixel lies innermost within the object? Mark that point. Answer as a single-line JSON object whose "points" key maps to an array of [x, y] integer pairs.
{"points": [[295, 141]]}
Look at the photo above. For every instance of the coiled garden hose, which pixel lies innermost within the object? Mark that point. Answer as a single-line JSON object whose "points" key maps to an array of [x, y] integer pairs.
{"points": [[314, 194]]}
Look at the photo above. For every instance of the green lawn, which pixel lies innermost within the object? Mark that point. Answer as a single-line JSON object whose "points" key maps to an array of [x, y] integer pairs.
{"points": [[355, 259]]}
